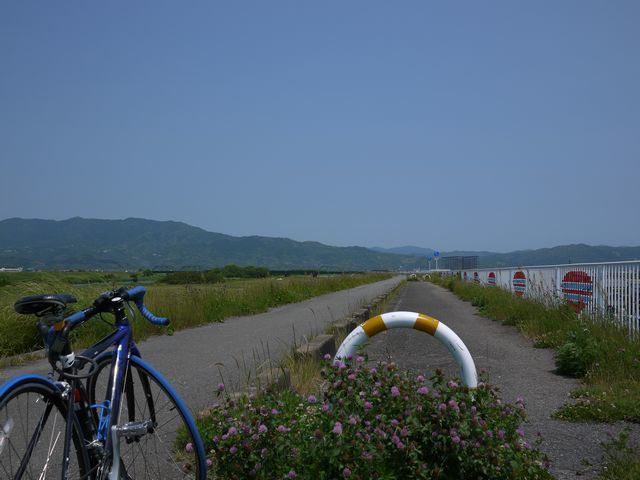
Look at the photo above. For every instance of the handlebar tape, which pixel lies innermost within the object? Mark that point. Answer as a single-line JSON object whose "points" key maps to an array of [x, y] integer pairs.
{"points": [[136, 294]]}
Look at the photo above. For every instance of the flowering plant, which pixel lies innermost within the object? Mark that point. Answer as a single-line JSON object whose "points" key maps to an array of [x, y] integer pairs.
{"points": [[374, 423]]}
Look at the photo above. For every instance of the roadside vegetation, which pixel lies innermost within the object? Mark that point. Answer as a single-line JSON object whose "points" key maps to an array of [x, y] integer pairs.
{"points": [[187, 305], [305, 371], [372, 422], [620, 461], [598, 350], [215, 275], [364, 421]]}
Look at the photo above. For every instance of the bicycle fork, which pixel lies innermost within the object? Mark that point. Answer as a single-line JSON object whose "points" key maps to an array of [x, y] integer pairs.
{"points": [[121, 389]]}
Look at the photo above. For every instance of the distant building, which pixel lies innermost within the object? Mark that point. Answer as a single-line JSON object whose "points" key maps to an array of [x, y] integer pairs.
{"points": [[9, 269], [458, 263]]}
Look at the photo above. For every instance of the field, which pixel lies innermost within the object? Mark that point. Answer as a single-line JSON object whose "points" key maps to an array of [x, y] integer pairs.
{"points": [[186, 305]]}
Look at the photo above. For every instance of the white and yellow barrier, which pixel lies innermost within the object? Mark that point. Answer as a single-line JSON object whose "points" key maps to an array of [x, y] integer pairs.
{"points": [[417, 321]]}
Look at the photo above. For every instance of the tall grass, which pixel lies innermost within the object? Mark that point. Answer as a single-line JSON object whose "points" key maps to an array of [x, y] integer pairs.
{"points": [[597, 349], [17, 332], [305, 371], [547, 323], [621, 459], [186, 306]]}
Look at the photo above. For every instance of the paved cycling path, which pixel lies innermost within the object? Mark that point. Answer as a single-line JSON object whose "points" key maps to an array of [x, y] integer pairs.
{"points": [[193, 359], [511, 363]]}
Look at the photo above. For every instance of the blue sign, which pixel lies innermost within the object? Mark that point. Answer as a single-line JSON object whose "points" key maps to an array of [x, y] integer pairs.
{"points": [[429, 258], [436, 253]]}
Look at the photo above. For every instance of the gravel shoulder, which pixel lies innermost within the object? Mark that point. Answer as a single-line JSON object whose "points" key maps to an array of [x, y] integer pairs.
{"points": [[510, 362]]}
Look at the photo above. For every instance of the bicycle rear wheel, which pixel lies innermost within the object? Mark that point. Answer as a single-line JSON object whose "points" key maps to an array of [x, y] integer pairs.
{"points": [[171, 449], [32, 432]]}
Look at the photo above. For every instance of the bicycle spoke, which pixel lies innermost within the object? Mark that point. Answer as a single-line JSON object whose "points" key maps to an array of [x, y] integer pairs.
{"points": [[154, 454], [51, 448], [33, 447], [24, 463], [5, 470], [170, 455]]}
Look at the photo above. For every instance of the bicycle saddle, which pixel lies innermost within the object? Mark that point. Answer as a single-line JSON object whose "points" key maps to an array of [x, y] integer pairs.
{"points": [[41, 304]]}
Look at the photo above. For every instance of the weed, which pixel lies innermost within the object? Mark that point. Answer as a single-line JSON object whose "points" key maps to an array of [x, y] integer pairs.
{"points": [[598, 349], [577, 354], [620, 460], [373, 423]]}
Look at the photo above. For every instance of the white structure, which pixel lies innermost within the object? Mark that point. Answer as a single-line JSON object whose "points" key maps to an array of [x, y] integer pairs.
{"points": [[12, 270], [592, 288], [417, 321]]}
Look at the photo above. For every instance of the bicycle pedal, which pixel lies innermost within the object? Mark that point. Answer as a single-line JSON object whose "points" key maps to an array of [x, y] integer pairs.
{"points": [[134, 430]]}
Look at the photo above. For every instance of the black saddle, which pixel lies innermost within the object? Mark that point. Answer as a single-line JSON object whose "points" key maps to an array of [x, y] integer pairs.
{"points": [[42, 304]]}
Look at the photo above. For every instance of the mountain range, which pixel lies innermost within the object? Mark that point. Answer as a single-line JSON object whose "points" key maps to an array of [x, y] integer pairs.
{"points": [[563, 254], [134, 243]]}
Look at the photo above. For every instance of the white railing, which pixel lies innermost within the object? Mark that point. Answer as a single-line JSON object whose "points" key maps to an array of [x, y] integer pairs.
{"points": [[611, 289]]}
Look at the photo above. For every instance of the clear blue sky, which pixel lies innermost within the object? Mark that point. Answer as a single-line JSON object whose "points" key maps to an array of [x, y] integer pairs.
{"points": [[452, 125]]}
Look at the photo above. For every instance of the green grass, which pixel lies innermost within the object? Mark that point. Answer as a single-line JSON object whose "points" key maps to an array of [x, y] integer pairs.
{"points": [[621, 461], [305, 371], [595, 349], [186, 305]]}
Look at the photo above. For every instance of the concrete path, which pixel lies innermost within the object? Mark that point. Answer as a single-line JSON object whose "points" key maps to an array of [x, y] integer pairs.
{"points": [[511, 364], [193, 360]]}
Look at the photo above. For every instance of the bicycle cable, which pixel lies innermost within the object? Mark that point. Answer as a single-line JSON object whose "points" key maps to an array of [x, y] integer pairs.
{"points": [[76, 376], [131, 310], [112, 325]]}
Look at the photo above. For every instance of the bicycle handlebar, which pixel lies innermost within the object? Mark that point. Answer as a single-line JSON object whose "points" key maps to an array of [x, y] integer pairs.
{"points": [[134, 294]]}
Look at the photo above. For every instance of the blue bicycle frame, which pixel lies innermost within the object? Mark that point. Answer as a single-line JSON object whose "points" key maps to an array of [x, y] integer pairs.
{"points": [[106, 431]]}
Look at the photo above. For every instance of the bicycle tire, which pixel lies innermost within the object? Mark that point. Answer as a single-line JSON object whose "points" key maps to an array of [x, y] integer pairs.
{"points": [[24, 406], [174, 444]]}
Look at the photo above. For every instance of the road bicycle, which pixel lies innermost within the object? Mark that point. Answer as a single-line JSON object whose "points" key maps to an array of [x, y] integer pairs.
{"points": [[102, 414]]}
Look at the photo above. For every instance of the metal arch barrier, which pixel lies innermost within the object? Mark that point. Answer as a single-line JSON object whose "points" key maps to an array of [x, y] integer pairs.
{"points": [[418, 321]]}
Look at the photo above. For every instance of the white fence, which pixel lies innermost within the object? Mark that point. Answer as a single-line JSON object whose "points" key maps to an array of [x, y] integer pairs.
{"points": [[590, 288]]}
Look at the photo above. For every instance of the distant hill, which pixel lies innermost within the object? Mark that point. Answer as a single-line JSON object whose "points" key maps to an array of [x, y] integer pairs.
{"points": [[135, 243], [406, 250], [576, 253]]}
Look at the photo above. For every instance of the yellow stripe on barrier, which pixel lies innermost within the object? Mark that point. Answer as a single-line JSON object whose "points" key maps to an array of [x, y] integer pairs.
{"points": [[416, 321], [426, 324], [373, 326]]}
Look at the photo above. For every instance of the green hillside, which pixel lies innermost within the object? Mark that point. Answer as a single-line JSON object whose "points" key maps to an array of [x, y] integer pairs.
{"points": [[578, 253], [135, 243]]}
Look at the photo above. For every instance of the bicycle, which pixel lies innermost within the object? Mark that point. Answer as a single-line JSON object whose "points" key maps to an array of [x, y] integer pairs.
{"points": [[107, 415]]}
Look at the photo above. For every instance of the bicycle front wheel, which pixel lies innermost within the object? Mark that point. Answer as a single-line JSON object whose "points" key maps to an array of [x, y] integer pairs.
{"points": [[171, 449], [32, 433]]}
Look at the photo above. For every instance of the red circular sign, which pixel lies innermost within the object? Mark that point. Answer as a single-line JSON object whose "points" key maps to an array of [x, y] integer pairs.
{"points": [[519, 283], [492, 278], [577, 287]]}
